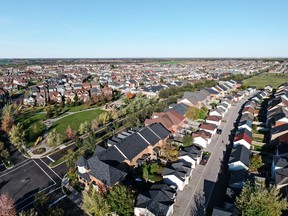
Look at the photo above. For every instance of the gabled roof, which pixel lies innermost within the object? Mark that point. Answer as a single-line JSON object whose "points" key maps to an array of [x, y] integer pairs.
{"points": [[214, 118], [245, 122], [279, 129], [177, 169], [193, 151], [160, 130], [180, 108], [237, 176], [82, 162], [240, 153], [208, 126], [132, 146], [157, 199], [281, 176], [201, 133], [244, 130], [280, 161], [102, 171], [151, 137]]}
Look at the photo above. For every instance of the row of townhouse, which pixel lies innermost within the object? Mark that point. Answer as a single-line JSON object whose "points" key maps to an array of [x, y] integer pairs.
{"points": [[43, 96], [239, 160], [277, 122], [179, 173]]}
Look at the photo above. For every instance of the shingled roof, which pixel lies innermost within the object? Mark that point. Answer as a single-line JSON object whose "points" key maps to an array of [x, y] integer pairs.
{"points": [[157, 200]]}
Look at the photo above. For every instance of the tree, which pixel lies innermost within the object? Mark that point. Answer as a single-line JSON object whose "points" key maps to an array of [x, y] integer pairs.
{"points": [[71, 158], [7, 207], [53, 139], [255, 163], [258, 200], [49, 111], [41, 198], [5, 154], [17, 135], [55, 211], [187, 140], [94, 203], [192, 113], [84, 127], [121, 200], [7, 123], [103, 118], [30, 212], [94, 125], [70, 133], [2, 146]]}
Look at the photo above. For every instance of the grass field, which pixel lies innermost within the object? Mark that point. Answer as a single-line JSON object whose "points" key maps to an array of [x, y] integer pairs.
{"points": [[74, 121], [266, 79], [33, 124], [77, 108]]}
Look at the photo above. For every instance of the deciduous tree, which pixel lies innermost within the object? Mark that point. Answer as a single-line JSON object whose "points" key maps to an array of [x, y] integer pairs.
{"points": [[84, 127], [17, 135], [94, 203], [258, 200], [121, 200], [7, 207], [70, 133], [5, 154], [53, 139]]}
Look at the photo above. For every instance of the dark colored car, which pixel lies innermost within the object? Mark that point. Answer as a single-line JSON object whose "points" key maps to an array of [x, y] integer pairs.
{"points": [[204, 160], [219, 131]]}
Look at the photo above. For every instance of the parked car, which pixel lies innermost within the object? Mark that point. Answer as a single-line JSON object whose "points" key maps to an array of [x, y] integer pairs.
{"points": [[205, 158]]}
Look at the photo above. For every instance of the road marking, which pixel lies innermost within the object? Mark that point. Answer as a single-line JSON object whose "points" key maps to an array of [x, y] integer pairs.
{"points": [[50, 159], [51, 169], [12, 170], [44, 171], [33, 195]]}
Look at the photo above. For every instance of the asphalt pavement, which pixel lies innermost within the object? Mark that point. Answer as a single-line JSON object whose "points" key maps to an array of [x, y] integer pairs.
{"points": [[195, 197]]}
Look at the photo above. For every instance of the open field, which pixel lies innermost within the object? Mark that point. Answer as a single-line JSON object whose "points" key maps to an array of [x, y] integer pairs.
{"points": [[74, 121], [266, 79]]}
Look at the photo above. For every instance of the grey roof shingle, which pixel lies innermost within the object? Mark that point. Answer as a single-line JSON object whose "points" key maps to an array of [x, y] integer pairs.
{"points": [[157, 200], [160, 130], [240, 153]]}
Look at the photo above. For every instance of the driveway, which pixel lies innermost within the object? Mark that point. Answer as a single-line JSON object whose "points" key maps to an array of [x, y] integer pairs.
{"points": [[194, 199]]}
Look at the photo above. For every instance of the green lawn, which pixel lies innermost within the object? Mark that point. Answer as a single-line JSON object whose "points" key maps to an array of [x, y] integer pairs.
{"points": [[74, 121], [266, 79], [34, 127], [171, 62], [77, 108]]}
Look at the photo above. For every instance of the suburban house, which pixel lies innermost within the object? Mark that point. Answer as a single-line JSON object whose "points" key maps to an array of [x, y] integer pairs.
{"points": [[190, 155], [243, 137], [277, 132], [177, 174], [180, 108], [201, 138], [245, 125], [238, 179], [216, 112], [108, 166], [239, 158], [279, 171], [210, 128], [158, 200], [170, 119], [213, 120]]}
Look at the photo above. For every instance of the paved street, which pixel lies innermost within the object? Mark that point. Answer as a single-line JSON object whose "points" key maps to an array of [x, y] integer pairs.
{"points": [[30, 176], [195, 197]]}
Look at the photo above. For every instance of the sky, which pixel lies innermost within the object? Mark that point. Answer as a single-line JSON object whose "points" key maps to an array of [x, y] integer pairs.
{"points": [[143, 29]]}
